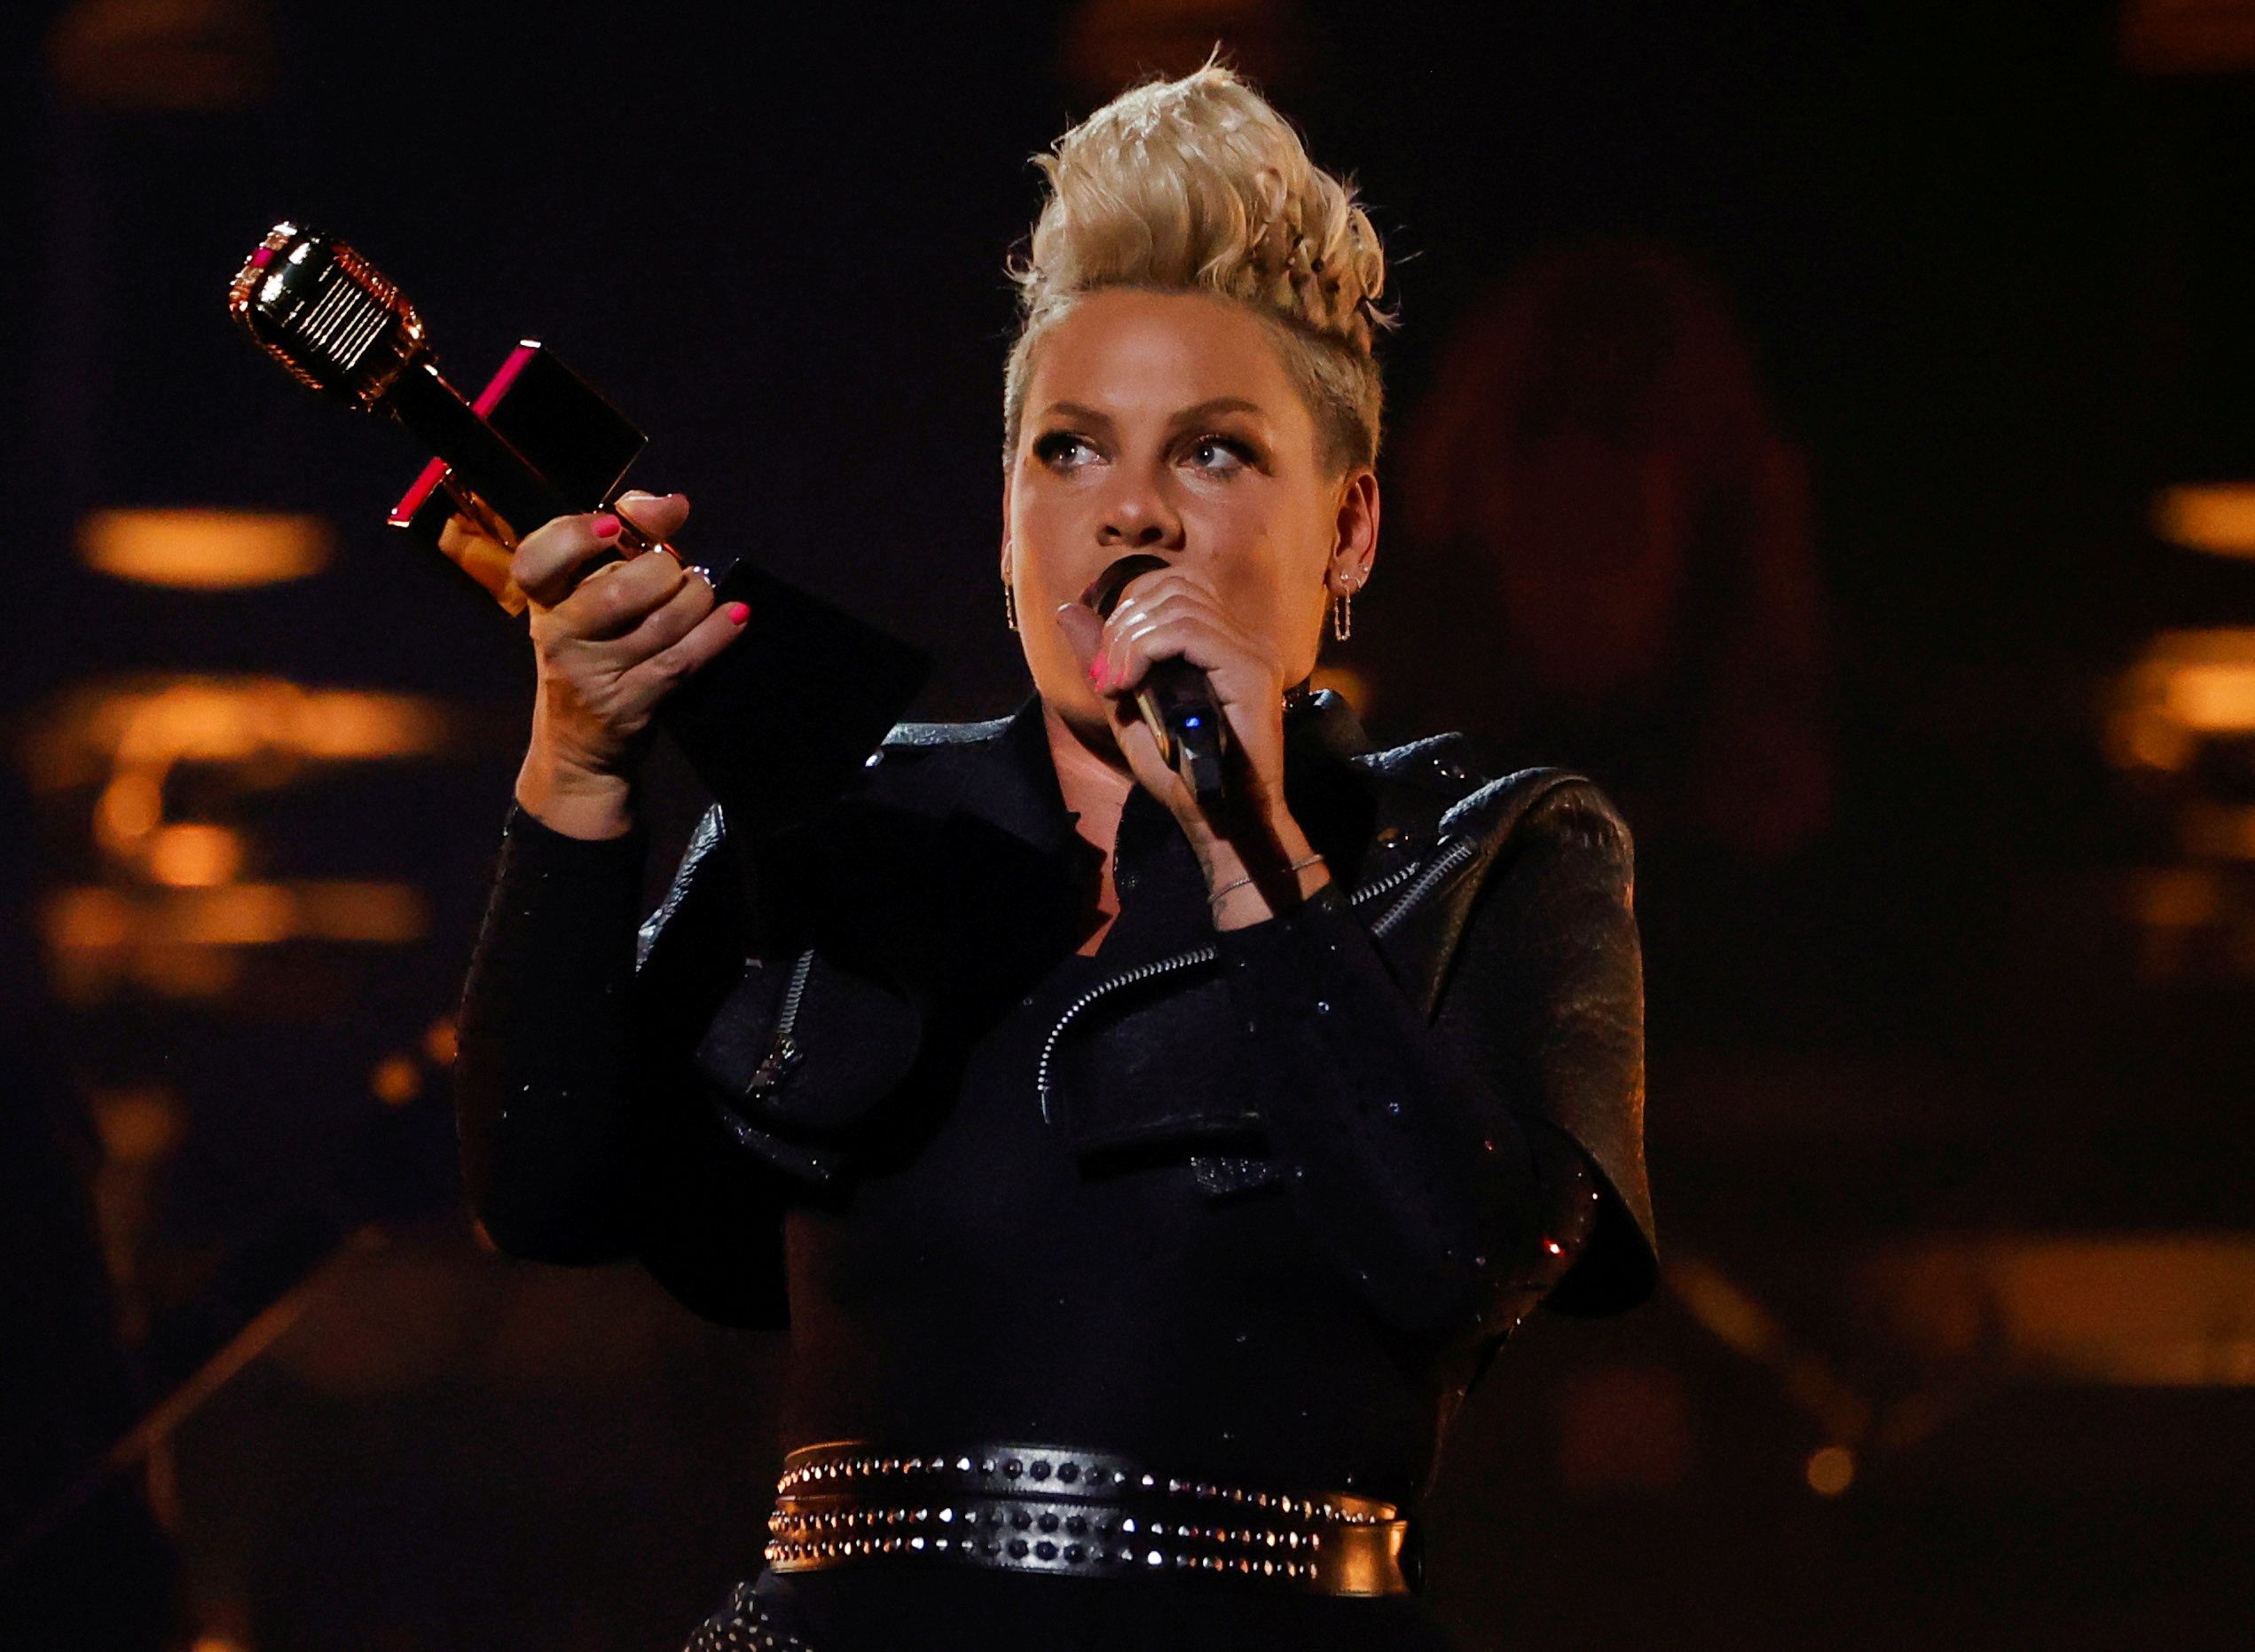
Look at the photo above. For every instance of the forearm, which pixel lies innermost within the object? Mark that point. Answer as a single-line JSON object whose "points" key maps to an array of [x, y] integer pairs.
{"points": [[1423, 1152], [543, 1102], [1422, 1188]]}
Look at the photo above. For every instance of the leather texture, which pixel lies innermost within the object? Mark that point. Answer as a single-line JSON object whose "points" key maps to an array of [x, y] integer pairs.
{"points": [[1503, 905]]}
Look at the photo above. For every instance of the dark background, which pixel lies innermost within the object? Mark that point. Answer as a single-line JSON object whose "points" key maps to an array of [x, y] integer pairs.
{"points": [[1989, 263]]}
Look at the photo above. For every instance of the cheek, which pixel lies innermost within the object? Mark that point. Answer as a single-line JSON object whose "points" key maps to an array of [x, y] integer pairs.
{"points": [[1266, 555], [1038, 539]]}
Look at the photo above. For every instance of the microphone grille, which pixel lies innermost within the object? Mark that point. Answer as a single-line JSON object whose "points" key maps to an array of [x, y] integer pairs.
{"points": [[326, 314]]}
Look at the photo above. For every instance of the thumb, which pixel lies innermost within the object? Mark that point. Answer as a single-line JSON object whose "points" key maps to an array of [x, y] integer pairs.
{"points": [[1083, 631], [660, 515]]}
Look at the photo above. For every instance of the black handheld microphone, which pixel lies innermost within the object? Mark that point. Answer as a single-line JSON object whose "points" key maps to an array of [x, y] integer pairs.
{"points": [[777, 723], [1175, 700]]}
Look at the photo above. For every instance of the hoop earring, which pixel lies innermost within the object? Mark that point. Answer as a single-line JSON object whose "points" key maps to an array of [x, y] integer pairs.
{"points": [[1010, 606]]}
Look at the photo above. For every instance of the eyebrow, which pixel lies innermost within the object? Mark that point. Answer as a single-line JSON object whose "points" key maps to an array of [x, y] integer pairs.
{"points": [[1189, 416], [1218, 405]]}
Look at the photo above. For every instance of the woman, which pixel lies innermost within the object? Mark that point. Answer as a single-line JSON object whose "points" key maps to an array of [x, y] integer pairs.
{"points": [[1143, 1189]]}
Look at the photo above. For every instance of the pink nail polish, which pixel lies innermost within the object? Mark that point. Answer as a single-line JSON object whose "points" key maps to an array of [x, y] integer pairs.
{"points": [[605, 525], [738, 612]]}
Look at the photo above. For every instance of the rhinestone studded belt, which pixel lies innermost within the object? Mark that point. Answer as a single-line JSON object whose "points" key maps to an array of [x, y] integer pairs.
{"points": [[1066, 1512]]}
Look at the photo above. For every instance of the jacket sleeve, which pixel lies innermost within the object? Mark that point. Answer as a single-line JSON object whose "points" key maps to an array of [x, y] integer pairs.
{"points": [[585, 1135], [1443, 1163]]}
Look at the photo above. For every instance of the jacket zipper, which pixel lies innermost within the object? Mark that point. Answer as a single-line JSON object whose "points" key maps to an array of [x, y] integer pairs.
{"points": [[1449, 859], [1427, 876], [783, 1050]]}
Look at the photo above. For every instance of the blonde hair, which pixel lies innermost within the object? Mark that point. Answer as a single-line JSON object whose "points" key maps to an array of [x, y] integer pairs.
{"points": [[1198, 184]]}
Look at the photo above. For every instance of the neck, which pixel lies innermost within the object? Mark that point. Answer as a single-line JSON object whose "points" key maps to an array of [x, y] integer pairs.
{"points": [[1094, 784]]}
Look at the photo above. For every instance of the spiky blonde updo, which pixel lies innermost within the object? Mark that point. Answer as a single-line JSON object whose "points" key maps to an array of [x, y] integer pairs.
{"points": [[1198, 184]]}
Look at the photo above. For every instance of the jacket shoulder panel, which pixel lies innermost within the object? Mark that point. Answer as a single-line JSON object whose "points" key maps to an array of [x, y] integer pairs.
{"points": [[917, 735], [1559, 941], [1439, 763], [711, 828]]}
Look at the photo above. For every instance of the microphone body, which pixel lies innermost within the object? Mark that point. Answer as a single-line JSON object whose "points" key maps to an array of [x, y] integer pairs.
{"points": [[1175, 699], [777, 724]]}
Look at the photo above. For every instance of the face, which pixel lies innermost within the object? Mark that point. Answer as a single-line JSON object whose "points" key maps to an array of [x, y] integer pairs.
{"points": [[1165, 422]]}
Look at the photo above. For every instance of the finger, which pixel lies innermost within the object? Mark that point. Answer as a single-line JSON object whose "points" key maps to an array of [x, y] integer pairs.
{"points": [[712, 634], [625, 594], [1160, 601], [548, 559], [461, 538], [1083, 632], [1149, 590], [658, 515], [669, 622], [1130, 626], [1193, 637], [1120, 643]]}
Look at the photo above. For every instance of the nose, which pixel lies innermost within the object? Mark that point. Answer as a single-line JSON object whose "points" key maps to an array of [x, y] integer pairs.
{"points": [[1138, 516]]}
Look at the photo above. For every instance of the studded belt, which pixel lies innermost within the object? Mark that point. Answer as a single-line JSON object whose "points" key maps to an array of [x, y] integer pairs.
{"points": [[1068, 1511]]}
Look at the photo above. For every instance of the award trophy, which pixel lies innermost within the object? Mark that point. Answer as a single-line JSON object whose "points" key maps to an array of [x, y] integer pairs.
{"points": [[776, 724]]}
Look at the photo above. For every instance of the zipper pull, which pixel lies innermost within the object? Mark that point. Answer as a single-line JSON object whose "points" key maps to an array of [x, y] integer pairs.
{"points": [[783, 1050], [781, 1056]]}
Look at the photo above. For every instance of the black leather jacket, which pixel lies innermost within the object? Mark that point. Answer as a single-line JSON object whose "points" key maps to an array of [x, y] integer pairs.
{"points": [[785, 992]]}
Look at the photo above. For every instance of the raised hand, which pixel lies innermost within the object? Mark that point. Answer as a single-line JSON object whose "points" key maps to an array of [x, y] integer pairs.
{"points": [[610, 645]]}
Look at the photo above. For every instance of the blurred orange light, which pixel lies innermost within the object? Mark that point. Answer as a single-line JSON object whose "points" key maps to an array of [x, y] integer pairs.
{"points": [[1830, 1470], [383, 914], [395, 1080], [2150, 1310], [239, 915], [2213, 698], [204, 550], [140, 1124], [179, 942], [2188, 686], [2175, 897], [195, 857], [1351, 685], [105, 732]]}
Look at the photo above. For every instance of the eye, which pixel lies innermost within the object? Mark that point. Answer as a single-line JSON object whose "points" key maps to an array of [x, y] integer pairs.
{"points": [[1063, 450], [1220, 455]]}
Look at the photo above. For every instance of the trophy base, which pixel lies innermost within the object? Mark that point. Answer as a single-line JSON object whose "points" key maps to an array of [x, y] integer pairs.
{"points": [[780, 723]]}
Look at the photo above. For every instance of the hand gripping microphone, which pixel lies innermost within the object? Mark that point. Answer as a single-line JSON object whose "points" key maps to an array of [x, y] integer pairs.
{"points": [[1175, 700], [775, 726]]}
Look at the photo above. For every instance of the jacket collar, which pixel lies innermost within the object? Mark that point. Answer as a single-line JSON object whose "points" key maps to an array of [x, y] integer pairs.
{"points": [[1004, 775]]}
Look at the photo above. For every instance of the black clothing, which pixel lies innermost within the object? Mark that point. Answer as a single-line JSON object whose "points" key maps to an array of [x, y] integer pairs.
{"points": [[1259, 1214], [959, 1612]]}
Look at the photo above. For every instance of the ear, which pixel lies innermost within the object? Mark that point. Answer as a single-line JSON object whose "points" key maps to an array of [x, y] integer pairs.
{"points": [[1355, 538], [1007, 483]]}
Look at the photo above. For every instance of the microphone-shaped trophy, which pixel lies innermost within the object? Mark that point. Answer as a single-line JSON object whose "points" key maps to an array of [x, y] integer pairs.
{"points": [[775, 725]]}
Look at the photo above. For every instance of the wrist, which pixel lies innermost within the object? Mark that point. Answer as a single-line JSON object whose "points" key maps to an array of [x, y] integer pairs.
{"points": [[1252, 900], [1247, 882], [572, 798]]}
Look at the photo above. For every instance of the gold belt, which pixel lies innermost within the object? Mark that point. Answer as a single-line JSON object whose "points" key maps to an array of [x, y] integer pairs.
{"points": [[1070, 1512]]}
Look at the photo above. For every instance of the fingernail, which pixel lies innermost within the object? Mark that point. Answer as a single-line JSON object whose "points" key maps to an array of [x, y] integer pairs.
{"points": [[738, 612], [605, 525], [1097, 673]]}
